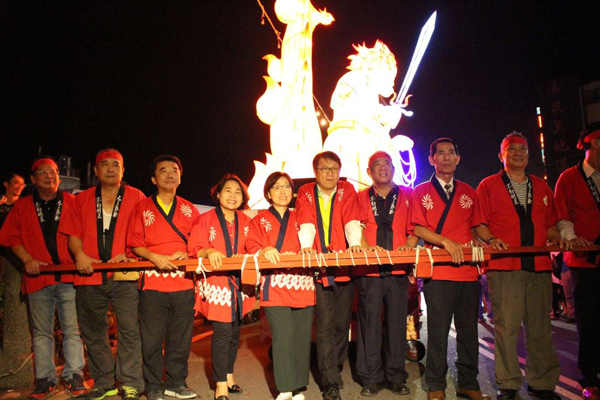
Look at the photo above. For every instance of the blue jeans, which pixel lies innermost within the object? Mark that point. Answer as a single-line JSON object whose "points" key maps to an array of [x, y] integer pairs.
{"points": [[41, 306]]}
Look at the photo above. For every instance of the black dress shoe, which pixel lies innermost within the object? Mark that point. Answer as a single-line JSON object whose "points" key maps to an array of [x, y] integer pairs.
{"points": [[332, 393], [399, 388], [543, 394], [506, 394], [235, 389], [370, 389]]}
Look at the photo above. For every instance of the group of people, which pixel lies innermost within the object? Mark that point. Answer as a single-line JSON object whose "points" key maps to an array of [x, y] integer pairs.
{"points": [[114, 222]]}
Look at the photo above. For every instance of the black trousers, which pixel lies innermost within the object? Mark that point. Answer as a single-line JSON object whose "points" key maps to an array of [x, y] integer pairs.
{"points": [[373, 294], [291, 329], [166, 317], [445, 300], [334, 311], [92, 307], [586, 289], [224, 347]]}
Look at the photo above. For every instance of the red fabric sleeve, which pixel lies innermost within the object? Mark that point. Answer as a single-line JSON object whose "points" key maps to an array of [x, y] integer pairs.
{"points": [[552, 217], [256, 236], [364, 205], [351, 211], [482, 204], [417, 213], [199, 236], [305, 208], [71, 220], [562, 199], [135, 228]]}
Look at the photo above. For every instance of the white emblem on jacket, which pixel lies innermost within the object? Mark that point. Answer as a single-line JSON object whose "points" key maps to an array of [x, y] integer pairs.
{"points": [[427, 202], [265, 224], [186, 210], [148, 217], [465, 201]]}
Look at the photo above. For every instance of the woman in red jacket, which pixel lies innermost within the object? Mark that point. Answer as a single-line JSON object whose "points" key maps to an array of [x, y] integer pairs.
{"points": [[287, 295], [222, 233]]}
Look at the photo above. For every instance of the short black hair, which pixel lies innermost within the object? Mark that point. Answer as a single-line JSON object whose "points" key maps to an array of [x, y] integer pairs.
{"points": [[164, 157], [328, 155], [272, 179], [216, 189], [7, 177], [594, 126], [433, 147]]}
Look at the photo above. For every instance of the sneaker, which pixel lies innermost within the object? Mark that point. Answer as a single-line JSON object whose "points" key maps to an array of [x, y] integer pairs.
{"points": [[98, 393], [129, 393], [285, 396], [43, 388], [74, 387], [298, 396], [181, 392], [156, 394]]}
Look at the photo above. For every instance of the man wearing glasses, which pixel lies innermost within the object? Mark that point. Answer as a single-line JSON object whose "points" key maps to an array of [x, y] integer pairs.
{"points": [[31, 230], [329, 221]]}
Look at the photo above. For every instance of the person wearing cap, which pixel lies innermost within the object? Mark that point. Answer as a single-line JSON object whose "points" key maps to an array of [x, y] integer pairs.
{"points": [[384, 212], [328, 216], [31, 230], [442, 215], [158, 232], [577, 197], [517, 209], [97, 230]]}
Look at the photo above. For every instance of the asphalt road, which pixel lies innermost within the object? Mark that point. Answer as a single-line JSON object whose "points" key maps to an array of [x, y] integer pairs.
{"points": [[254, 372]]}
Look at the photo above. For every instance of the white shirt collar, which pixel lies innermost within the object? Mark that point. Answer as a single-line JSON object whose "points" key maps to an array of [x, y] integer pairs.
{"points": [[443, 183]]}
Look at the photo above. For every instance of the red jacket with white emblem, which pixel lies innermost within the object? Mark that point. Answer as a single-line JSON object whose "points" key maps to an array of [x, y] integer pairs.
{"points": [[22, 228], [151, 228], [496, 210], [219, 295], [427, 210], [289, 287]]}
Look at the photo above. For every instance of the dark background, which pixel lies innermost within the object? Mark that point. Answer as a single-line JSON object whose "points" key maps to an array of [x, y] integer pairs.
{"points": [[183, 77]]}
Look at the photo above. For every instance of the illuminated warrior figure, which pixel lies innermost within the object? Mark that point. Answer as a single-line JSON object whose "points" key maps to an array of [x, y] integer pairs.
{"points": [[287, 104], [361, 124]]}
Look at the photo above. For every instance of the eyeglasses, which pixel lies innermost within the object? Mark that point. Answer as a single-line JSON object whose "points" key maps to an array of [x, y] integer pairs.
{"points": [[333, 170], [41, 172], [279, 187]]}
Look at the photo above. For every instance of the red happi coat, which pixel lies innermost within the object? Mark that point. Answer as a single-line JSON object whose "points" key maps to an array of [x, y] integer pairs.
{"points": [[81, 221], [399, 225], [288, 287], [496, 210], [345, 209], [151, 228], [575, 203], [427, 208], [219, 295], [22, 228]]}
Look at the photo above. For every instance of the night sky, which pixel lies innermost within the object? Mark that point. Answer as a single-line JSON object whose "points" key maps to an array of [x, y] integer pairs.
{"points": [[183, 77]]}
